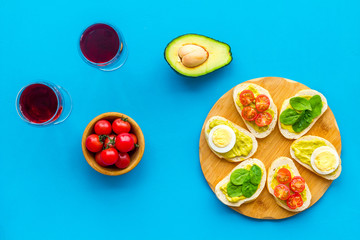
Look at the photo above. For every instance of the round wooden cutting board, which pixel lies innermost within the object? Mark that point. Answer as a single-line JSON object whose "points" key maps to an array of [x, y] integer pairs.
{"points": [[270, 148]]}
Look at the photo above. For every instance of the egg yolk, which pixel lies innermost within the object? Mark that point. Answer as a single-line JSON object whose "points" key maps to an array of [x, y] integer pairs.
{"points": [[325, 161], [221, 137]]}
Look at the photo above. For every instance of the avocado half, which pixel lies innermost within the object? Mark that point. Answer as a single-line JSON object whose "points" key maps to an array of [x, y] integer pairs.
{"points": [[218, 54]]}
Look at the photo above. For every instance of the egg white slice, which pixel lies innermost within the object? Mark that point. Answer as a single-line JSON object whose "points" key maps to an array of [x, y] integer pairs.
{"points": [[228, 147], [320, 150]]}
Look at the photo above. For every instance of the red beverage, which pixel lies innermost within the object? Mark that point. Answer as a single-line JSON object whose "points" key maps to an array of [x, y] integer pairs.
{"points": [[38, 103], [99, 43]]}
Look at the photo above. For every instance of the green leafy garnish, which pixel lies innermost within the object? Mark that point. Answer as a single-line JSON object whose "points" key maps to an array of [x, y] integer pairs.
{"points": [[300, 103], [302, 122], [249, 189], [255, 174], [239, 176], [316, 105], [234, 190], [289, 116]]}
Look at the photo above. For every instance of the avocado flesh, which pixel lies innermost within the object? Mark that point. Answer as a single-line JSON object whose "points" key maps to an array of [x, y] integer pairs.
{"points": [[219, 54]]}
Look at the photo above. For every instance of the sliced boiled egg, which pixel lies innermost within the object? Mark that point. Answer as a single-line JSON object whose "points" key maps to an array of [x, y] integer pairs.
{"points": [[325, 160], [222, 138]]}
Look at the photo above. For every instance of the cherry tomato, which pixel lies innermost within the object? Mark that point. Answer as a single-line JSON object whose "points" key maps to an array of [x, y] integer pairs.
{"points": [[109, 156], [246, 97], [297, 184], [103, 127], [262, 102], [282, 192], [248, 113], [110, 141], [121, 126], [263, 119], [124, 142], [283, 176], [134, 137], [123, 161], [98, 159], [295, 201], [93, 143]]}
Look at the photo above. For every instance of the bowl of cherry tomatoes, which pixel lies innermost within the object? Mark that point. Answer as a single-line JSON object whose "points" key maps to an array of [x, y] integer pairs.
{"points": [[113, 143]]}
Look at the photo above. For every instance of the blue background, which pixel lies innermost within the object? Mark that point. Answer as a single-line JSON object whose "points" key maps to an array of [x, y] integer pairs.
{"points": [[48, 191]]}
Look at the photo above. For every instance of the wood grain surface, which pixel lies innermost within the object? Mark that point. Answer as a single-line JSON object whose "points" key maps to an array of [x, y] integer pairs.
{"points": [[270, 148]]}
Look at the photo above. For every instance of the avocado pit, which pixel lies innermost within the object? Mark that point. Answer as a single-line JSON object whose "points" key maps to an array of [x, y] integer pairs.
{"points": [[192, 55]]}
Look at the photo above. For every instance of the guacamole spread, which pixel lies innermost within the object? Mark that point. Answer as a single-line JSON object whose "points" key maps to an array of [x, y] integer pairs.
{"points": [[253, 124], [243, 145], [274, 182], [303, 149]]}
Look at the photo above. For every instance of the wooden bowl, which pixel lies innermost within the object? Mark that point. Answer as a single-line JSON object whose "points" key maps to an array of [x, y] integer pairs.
{"points": [[135, 157]]}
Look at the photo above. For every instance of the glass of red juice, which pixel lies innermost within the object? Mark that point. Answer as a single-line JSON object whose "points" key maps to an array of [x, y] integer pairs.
{"points": [[43, 103], [103, 46]]}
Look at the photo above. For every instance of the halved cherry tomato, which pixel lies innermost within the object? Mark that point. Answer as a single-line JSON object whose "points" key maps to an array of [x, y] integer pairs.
{"points": [[110, 141], [283, 176], [246, 97], [248, 113], [109, 156], [102, 127], [93, 143], [263, 119], [295, 201], [262, 103], [123, 161], [134, 137], [297, 184], [282, 192]]}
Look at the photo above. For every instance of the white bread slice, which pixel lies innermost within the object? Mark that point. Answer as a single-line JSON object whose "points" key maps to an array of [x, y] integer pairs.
{"points": [[281, 161], [238, 89], [235, 159], [332, 176], [286, 103], [251, 161]]}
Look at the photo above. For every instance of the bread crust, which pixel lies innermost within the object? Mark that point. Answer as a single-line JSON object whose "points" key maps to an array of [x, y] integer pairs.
{"points": [[251, 161], [286, 103], [281, 161], [327, 176], [235, 159], [238, 89]]}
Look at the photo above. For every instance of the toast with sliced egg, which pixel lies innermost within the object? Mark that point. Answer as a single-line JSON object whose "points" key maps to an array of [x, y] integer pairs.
{"points": [[273, 182], [297, 116], [228, 140], [318, 155], [243, 184], [261, 104]]}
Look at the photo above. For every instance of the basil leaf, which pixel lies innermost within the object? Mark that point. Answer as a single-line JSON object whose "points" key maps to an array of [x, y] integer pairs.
{"points": [[239, 176], [308, 116], [316, 105], [302, 122], [248, 189], [289, 116], [233, 190], [255, 174], [300, 104]]}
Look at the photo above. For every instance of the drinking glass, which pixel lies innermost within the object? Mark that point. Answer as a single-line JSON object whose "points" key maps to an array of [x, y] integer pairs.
{"points": [[43, 103], [103, 46]]}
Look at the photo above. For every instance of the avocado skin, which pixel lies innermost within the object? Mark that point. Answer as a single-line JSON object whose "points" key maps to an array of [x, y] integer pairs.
{"points": [[195, 76]]}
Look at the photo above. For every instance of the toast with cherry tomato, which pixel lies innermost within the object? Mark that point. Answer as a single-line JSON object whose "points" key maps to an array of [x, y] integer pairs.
{"points": [[287, 186], [243, 184], [256, 108], [217, 120], [299, 113], [323, 142]]}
